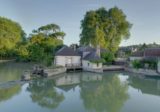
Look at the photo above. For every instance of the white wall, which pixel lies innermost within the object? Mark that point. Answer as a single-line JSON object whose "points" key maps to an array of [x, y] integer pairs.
{"points": [[89, 65], [135, 58], [67, 80], [63, 60]]}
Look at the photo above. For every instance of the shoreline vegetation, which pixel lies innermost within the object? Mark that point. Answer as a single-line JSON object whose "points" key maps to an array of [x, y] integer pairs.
{"points": [[40, 46], [101, 27]]}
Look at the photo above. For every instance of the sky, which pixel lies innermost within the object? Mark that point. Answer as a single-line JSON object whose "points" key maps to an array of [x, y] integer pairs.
{"points": [[31, 14]]}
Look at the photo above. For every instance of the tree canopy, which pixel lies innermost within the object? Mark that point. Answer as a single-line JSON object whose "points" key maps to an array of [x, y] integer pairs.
{"points": [[105, 28], [11, 33], [42, 44]]}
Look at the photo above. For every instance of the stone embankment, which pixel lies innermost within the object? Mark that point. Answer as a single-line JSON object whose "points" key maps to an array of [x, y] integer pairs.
{"points": [[147, 72]]}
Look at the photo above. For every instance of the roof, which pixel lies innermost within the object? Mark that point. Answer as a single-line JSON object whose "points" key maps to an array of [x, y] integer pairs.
{"points": [[138, 54], [85, 49], [149, 52], [66, 51], [92, 56], [89, 49]]}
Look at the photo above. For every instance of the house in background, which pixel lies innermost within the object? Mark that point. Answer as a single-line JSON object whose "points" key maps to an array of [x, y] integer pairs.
{"points": [[149, 53], [87, 57]]}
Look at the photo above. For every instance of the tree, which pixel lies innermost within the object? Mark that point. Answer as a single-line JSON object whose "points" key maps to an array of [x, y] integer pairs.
{"points": [[43, 43], [51, 30], [11, 33], [105, 28]]}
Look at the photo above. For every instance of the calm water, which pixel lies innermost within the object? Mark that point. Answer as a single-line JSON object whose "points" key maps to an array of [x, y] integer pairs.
{"points": [[79, 92]]}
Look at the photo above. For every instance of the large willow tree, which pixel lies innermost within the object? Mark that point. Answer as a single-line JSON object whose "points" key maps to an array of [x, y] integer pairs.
{"points": [[106, 28]]}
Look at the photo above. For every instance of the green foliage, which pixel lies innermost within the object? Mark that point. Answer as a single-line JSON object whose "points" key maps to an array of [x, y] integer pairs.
{"points": [[105, 28], [137, 64], [11, 33], [41, 45], [148, 64], [108, 57], [98, 61]]}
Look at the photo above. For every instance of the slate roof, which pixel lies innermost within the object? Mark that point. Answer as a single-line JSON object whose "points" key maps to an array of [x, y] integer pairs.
{"points": [[66, 51], [92, 56], [89, 49]]}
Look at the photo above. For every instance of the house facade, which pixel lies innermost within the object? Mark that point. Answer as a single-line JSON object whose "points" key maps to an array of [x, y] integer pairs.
{"points": [[149, 53], [67, 57], [89, 58]]}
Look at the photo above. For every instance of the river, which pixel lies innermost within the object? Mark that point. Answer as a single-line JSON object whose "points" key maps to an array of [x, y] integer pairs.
{"points": [[78, 92]]}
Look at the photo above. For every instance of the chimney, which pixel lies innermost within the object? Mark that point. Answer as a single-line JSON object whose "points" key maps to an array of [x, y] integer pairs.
{"points": [[98, 52]]}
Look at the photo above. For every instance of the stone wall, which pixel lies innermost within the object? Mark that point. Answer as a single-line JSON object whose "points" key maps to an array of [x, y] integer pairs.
{"points": [[55, 71], [143, 71]]}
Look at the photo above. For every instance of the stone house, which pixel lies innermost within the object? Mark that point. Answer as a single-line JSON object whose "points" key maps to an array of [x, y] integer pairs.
{"points": [[87, 57], [67, 57]]}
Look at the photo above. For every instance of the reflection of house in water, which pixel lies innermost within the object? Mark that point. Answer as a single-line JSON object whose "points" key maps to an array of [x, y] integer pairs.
{"points": [[68, 82], [91, 77], [147, 86]]}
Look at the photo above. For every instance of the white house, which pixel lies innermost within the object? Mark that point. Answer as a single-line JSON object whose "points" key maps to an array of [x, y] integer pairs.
{"points": [[67, 57], [87, 57], [91, 59]]}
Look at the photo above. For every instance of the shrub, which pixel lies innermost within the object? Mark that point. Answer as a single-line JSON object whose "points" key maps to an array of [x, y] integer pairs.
{"points": [[151, 64], [108, 57], [137, 64]]}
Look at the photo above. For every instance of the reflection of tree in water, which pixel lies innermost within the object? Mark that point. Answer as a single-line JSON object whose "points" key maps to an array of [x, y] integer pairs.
{"points": [[8, 93], [108, 95], [44, 93], [12, 71]]}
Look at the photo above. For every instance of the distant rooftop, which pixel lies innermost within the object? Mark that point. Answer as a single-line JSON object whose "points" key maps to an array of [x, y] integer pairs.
{"points": [[148, 52]]}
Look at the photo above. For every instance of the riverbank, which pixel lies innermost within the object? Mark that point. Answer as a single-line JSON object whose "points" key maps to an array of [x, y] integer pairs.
{"points": [[147, 72]]}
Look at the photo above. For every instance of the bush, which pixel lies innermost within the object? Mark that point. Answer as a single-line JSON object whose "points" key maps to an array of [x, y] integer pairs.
{"points": [[151, 64], [137, 64], [108, 57]]}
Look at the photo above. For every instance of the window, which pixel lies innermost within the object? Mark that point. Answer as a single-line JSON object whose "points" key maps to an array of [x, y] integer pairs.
{"points": [[88, 64]]}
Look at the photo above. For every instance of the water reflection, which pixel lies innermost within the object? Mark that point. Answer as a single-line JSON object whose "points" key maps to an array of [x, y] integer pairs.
{"points": [[108, 95], [87, 92], [99, 93], [44, 93], [8, 93], [145, 85], [10, 71]]}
